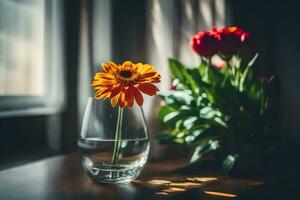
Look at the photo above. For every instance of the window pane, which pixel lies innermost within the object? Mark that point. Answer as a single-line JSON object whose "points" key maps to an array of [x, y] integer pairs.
{"points": [[22, 47]]}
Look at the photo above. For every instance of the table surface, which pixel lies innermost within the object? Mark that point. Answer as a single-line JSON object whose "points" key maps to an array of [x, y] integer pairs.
{"points": [[61, 178]]}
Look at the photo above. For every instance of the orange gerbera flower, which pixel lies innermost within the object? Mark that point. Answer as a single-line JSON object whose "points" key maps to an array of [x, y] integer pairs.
{"points": [[124, 83]]}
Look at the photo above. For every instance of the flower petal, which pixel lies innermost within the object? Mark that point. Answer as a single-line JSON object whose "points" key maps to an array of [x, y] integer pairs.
{"points": [[127, 65], [116, 90], [150, 74], [103, 82], [115, 100], [101, 75], [103, 93], [148, 88], [122, 101], [150, 80], [129, 96], [109, 67], [138, 96], [143, 68]]}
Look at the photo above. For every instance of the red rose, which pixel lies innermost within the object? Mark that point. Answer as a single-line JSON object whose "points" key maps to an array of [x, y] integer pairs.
{"points": [[226, 41], [232, 39], [205, 43]]}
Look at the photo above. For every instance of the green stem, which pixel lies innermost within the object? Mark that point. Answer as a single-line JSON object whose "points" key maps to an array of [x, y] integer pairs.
{"points": [[209, 62], [207, 69], [118, 137], [234, 75]]}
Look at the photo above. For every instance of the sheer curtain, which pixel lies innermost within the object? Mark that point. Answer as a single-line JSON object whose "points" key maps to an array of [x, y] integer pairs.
{"points": [[95, 45]]}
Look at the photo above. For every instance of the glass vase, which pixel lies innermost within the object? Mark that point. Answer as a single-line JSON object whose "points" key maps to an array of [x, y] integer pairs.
{"points": [[113, 143]]}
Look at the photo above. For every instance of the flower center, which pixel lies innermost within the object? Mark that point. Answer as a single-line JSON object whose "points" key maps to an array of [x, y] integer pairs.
{"points": [[126, 74]]}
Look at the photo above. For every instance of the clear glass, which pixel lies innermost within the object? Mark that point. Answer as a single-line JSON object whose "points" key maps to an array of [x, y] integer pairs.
{"points": [[114, 142]]}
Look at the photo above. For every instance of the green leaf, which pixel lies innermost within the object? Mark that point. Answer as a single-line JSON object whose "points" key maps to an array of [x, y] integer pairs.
{"points": [[163, 111], [221, 122], [177, 97], [191, 82], [206, 146], [229, 162], [245, 73], [252, 61], [198, 79], [189, 123], [206, 113], [202, 69], [180, 72], [199, 130], [179, 124], [215, 76], [170, 116], [176, 69], [254, 92], [208, 130]]}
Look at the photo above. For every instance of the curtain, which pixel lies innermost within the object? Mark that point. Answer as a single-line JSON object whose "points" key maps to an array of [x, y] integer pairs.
{"points": [[95, 46]]}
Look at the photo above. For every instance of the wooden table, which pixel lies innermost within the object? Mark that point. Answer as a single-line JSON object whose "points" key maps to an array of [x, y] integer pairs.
{"points": [[61, 178]]}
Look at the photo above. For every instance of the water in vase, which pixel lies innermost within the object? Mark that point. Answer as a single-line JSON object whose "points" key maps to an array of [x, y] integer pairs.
{"points": [[97, 154]]}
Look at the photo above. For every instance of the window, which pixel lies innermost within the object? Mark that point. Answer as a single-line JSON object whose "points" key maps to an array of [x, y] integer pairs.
{"points": [[30, 57]]}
